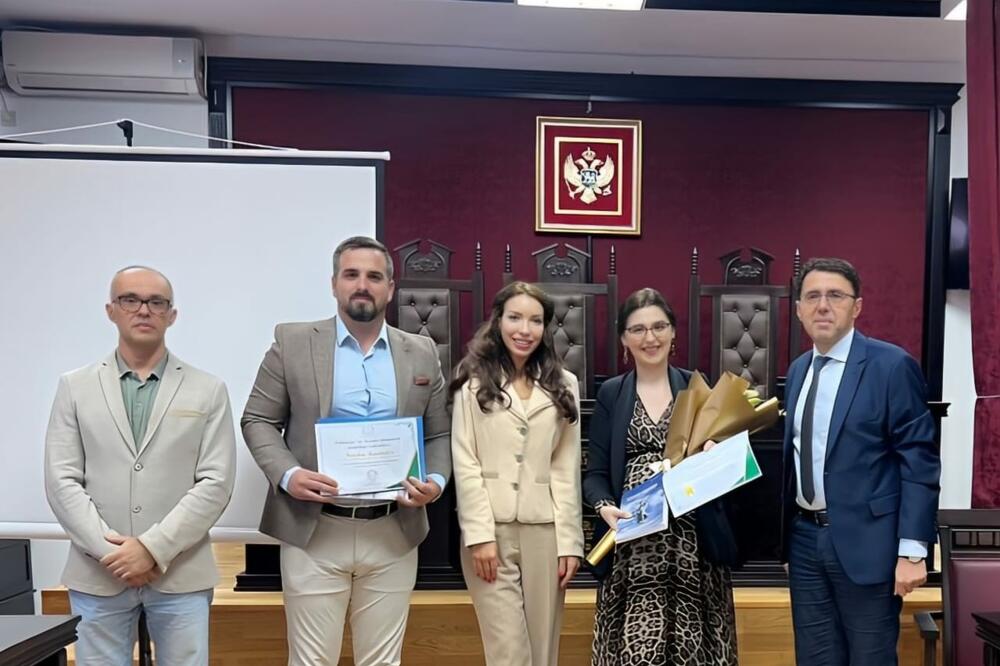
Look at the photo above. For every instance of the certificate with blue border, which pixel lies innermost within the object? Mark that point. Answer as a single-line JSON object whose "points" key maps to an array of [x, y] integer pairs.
{"points": [[370, 455]]}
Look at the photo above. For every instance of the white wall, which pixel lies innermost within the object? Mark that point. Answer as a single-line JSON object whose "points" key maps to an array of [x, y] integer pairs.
{"points": [[33, 114], [44, 113], [958, 388]]}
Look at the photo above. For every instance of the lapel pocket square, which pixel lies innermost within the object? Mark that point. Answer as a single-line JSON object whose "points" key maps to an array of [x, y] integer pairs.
{"points": [[185, 413], [420, 380]]}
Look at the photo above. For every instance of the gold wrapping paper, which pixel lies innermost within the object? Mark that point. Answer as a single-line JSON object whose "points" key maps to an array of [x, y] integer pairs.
{"points": [[603, 547], [688, 403]]}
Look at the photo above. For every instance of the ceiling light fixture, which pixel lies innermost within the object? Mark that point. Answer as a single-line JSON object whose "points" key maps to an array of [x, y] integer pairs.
{"points": [[631, 5], [957, 12]]}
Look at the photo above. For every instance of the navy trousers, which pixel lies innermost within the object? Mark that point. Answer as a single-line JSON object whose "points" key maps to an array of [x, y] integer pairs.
{"points": [[837, 622]]}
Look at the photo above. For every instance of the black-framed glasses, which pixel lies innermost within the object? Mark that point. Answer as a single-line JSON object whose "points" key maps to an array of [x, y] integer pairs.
{"points": [[659, 329], [131, 304], [834, 298]]}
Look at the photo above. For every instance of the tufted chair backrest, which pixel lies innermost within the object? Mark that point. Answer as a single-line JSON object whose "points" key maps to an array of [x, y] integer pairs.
{"points": [[573, 336], [428, 300], [745, 335], [429, 312], [745, 317]]}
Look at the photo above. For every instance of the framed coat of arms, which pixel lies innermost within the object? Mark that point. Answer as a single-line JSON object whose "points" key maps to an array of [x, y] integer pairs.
{"points": [[588, 175]]}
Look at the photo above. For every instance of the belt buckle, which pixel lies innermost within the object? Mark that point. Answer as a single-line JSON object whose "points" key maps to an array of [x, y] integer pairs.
{"points": [[819, 518], [811, 516], [373, 511]]}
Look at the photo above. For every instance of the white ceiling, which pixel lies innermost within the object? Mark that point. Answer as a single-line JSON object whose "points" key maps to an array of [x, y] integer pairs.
{"points": [[487, 34]]}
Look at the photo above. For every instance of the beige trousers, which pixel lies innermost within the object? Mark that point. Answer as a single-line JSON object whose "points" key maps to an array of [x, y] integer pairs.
{"points": [[520, 613], [361, 569]]}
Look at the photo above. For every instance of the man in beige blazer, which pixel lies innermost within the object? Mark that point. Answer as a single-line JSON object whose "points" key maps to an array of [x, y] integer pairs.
{"points": [[345, 556], [139, 464]]}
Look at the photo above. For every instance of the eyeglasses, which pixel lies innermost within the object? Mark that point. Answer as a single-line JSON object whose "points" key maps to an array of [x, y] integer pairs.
{"points": [[132, 304], [659, 329], [834, 298]]}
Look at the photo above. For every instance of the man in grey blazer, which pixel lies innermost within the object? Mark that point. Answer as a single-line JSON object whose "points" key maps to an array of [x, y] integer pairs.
{"points": [[346, 557], [139, 464]]}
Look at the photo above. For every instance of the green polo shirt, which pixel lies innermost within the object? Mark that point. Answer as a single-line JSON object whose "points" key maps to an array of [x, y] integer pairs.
{"points": [[139, 395]]}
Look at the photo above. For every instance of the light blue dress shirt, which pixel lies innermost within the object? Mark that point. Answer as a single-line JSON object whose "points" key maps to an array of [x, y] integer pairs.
{"points": [[826, 396], [364, 384]]}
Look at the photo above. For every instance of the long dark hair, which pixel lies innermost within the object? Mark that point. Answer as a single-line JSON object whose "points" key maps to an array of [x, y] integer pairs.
{"points": [[488, 361]]}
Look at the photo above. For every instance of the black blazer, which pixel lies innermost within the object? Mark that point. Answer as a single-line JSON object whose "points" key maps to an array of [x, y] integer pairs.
{"points": [[605, 475]]}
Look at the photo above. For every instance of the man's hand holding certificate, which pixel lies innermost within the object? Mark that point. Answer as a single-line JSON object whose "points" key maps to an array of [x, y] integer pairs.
{"points": [[372, 455]]}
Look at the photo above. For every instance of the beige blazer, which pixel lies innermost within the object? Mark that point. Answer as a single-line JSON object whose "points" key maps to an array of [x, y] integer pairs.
{"points": [[518, 464], [294, 388], [167, 490]]}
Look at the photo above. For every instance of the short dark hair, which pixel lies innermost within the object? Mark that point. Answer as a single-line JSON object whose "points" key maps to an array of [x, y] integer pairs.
{"points": [[641, 299], [829, 265], [362, 243]]}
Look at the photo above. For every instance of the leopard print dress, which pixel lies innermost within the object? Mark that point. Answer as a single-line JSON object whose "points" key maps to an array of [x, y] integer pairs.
{"points": [[662, 603]]}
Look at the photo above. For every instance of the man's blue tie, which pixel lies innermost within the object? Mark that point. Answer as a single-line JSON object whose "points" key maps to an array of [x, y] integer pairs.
{"points": [[806, 433]]}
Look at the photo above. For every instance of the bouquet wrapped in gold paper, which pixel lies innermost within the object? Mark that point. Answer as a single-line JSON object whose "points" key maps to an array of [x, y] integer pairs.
{"points": [[702, 414]]}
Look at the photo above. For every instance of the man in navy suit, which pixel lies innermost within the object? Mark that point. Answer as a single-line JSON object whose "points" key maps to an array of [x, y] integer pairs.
{"points": [[861, 479]]}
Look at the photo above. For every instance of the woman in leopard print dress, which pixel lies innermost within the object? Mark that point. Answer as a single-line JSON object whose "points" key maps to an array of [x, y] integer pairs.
{"points": [[661, 600]]}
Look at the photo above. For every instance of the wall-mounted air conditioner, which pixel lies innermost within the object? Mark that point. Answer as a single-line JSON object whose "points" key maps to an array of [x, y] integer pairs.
{"points": [[54, 63]]}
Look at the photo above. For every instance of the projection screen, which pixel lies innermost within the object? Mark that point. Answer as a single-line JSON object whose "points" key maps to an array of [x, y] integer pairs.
{"points": [[246, 237]]}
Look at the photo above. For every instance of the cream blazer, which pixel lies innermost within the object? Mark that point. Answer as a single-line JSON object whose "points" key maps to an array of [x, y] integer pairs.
{"points": [[167, 490], [518, 464]]}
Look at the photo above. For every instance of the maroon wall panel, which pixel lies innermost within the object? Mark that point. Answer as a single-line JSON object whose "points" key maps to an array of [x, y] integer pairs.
{"points": [[843, 182]]}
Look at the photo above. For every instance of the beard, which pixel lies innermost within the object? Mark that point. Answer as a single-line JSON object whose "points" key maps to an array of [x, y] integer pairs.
{"points": [[362, 310]]}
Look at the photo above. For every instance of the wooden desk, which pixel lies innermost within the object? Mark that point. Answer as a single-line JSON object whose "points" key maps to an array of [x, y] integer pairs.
{"points": [[988, 628], [36, 640]]}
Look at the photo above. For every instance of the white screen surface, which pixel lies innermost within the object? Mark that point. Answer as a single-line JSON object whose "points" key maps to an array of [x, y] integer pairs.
{"points": [[246, 244]]}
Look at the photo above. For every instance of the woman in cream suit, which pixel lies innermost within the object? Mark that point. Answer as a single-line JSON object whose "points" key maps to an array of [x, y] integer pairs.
{"points": [[516, 455]]}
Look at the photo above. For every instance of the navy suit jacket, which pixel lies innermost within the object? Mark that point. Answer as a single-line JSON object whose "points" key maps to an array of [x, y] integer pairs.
{"points": [[883, 467], [604, 478]]}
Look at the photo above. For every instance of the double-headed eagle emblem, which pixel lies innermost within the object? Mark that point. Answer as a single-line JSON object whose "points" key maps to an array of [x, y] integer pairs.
{"points": [[588, 176]]}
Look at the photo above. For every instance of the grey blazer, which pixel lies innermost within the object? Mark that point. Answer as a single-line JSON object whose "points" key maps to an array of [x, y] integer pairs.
{"points": [[294, 388], [167, 490]]}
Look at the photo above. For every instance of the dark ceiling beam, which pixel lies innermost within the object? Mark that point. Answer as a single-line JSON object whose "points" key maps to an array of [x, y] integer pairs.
{"points": [[586, 87], [907, 8]]}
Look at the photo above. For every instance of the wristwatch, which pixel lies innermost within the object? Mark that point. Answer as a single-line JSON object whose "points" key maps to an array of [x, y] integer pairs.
{"points": [[915, 559]]}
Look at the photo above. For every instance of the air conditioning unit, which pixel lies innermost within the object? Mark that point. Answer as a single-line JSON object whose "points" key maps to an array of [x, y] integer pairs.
{"points": [[54, 63]]}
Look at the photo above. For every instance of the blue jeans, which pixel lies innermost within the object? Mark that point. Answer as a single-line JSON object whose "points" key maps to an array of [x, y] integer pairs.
{"points": [[837, 622], [178, 626]]}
